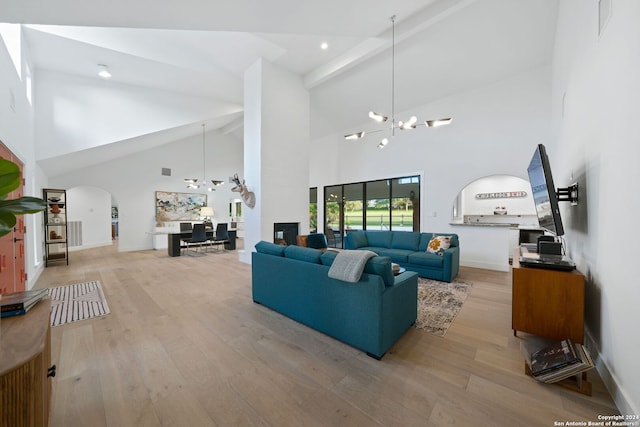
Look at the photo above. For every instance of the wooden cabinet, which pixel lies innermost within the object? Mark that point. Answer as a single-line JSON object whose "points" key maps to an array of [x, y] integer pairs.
{"points": [[25, 366], [55, 226], [548, 303]]}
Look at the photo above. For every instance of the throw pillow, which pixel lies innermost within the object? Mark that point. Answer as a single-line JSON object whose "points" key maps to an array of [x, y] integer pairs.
{"points": [[439, 244]]}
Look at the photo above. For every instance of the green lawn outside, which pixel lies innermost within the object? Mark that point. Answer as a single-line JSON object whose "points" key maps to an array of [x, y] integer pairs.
{"points": [[375, 217]]}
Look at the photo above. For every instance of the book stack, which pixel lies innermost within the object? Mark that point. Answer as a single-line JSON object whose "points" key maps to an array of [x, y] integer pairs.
{"points": [[559, 361], [18, 303]]}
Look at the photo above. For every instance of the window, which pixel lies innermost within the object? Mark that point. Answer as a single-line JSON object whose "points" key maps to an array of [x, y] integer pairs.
{"points": [[353, 207], [386, 204], [405, 204], [313, 210], [378, 206], [333, 214]]}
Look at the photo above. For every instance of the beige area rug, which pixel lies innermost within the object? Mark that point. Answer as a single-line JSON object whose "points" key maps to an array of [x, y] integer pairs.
{"points": [[77, 302], [439, 304]]}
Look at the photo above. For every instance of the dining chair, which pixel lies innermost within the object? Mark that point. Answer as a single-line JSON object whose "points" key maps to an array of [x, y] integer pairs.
{"points": [[199, 236], [185, 227], [222, 235]]}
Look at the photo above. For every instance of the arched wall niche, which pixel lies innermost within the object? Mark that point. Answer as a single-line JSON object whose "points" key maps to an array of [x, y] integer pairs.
{"points": [[495, 199]]}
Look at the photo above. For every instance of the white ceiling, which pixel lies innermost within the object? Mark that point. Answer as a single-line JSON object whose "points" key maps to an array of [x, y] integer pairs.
{"points": [[202, 47]]}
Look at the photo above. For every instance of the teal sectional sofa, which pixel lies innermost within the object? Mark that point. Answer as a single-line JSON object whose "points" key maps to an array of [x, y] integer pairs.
{"points": [[408, 249], [371, 314]]}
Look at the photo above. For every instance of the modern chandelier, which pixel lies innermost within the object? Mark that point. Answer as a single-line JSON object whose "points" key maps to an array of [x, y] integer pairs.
{"points": [[193, 182], [412, 122]]}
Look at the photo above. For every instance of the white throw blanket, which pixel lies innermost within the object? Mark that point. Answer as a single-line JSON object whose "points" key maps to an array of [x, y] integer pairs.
{"points": [[349, 265]]}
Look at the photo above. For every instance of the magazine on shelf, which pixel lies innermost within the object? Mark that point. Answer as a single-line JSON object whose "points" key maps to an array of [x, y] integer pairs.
{"points": [[533, 346], [553, 357], [567, 371]]}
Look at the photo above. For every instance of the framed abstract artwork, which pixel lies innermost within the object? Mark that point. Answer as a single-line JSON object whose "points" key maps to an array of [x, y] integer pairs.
{"points": [[172, 206]]}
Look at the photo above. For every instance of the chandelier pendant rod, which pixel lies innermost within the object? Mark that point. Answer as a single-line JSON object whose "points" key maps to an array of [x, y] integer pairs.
{"points": [[393, 75], [204, 170], [411, 123]]}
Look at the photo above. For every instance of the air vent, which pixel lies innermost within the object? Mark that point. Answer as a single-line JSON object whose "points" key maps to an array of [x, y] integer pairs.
{"points": [[166, 171]]}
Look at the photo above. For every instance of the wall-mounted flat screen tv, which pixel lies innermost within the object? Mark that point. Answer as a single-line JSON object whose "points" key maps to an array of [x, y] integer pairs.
{"points": [[544, 192]]}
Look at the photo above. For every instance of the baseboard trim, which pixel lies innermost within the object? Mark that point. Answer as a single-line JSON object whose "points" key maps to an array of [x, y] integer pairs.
{"points": [[33, 277], [94, 245], [620, 398], [485, 265]]}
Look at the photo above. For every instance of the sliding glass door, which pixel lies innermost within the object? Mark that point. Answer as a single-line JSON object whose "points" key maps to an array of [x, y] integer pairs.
{"points": [[313, 210], [378, 206], [405, 203], [386, 204], [333, 215]]}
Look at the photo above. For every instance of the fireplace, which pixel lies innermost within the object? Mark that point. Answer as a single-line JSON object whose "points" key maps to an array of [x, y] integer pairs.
{"points": [[284, 233]]}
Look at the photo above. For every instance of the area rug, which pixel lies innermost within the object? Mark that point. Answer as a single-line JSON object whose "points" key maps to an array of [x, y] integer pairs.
{"points": [[77, 302], [439, 303]]}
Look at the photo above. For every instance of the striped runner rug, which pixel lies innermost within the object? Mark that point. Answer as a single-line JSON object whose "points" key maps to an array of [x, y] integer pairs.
{"points": [[77, 302]]}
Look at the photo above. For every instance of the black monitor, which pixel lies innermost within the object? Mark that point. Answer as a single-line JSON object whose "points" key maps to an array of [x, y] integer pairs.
{"points": [[544, 192]]}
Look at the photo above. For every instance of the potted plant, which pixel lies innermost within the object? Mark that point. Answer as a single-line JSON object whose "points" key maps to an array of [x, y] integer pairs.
{"points": [[9, 181]]}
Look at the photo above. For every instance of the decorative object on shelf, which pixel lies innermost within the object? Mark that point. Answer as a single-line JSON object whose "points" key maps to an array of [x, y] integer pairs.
{"points": [[501, 195], [10, 179], [248, 197], [500, 210], [172, 206], [412, 122], [193, 182]]}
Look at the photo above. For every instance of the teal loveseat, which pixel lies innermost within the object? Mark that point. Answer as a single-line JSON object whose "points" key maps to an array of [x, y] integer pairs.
{"points": [[371, 314], [408, 249]]}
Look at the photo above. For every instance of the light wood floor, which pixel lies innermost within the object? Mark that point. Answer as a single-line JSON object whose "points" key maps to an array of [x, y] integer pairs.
{"points": [[185, 345]]}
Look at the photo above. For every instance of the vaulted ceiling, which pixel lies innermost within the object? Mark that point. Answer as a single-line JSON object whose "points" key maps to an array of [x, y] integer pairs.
{"points": [[201, 48]]}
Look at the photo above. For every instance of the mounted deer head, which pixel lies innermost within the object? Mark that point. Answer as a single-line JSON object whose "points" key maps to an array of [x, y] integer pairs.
{"points": [[247, 196]]}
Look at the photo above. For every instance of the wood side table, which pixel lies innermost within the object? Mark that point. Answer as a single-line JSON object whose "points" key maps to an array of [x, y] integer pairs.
{"points": [[25, 367]]}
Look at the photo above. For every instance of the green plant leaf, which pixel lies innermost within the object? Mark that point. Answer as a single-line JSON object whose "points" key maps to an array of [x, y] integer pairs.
{"points": [[22, 205], [7, 222], [9, 181], [9, 176]]}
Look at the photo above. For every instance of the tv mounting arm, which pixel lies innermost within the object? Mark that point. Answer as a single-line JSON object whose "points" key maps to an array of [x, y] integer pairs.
{"points": [[568, 194]]}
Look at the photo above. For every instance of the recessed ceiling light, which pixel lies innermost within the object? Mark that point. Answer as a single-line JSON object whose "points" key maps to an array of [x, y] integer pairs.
{"points": [[103, 71], [324, 46]]}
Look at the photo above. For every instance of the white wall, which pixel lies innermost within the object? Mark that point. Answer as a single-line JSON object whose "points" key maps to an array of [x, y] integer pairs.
{"points": [[76, 113], [91, 206], [276, 152], [494, 131], [595, 114], [133, 181], [471, 205]]}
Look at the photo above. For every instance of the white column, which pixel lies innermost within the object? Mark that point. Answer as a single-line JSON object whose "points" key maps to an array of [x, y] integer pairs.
{"points": [[276, 152]]}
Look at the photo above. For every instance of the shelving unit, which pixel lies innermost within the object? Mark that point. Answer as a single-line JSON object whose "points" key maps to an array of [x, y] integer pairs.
{"points": [[56, 246], [550, 304]]}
